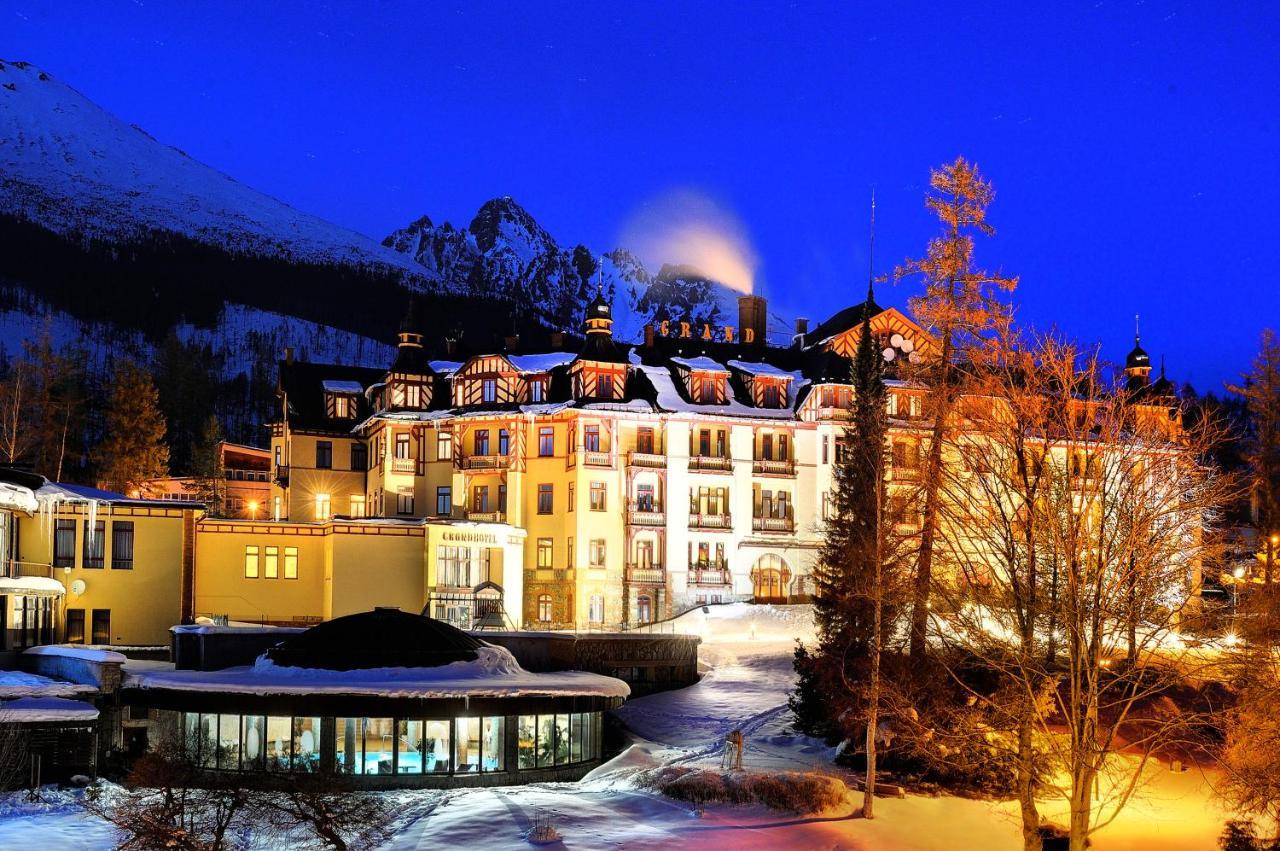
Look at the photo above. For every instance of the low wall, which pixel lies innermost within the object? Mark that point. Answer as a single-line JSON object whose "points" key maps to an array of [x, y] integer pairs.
{"points": [[212, 648], [647, 663]]}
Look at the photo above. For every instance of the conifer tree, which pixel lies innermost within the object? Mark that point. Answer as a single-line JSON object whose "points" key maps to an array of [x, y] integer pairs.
{"points": [[133, 449], [843, 670], [1261, 392], [958, 307], [208, 476]]}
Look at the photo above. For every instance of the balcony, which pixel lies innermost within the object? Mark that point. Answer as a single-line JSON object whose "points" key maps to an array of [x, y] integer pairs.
{"points": [[30, 568], [403, 465], [591, 458], [647, 459], [281, 476], [710, 464], [773, 524], [769, 467], [710, 521], [709, 575], [830, 413], [649, 574], [905, 474], [487, 516], [485, 462], [649, 514]]}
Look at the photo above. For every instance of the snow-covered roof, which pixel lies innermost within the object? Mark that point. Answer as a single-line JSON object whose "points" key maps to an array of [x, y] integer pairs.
{"points": [[29, 709], [30, 585], [544, 362], [765, 369], [494, 674], [69, 651], [21, 684], [17, 498], [445, 367], [55, 492], [669, 399], [334, 386], [702, 363], [254, 629]]}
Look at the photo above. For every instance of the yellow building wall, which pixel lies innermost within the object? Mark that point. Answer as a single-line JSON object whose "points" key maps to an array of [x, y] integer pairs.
{"points": [[375, 566], [143, 601], [221, 587]]}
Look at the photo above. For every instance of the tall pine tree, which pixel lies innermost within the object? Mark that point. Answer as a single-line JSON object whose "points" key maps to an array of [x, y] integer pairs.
{"points": [[133, 448], [837, 689]]}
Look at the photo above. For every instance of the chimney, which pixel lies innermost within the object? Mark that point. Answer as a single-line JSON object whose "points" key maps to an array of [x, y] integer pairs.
{"points": [[450, 346], [802, 329], [288, 354], [751, 318], [648, 335]]}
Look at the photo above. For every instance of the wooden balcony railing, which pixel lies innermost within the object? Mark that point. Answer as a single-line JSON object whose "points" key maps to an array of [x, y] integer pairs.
{"points": [[646, 515], [486, 462], [652, 574], [770, 467], [711, 463], [773, 524], [710, 521], [699, 575], [403, 465], [596, 459], [646, 459], [487, 516]]}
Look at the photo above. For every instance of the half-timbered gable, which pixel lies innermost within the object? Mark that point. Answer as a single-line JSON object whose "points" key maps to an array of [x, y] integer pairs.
{"points": [[766, 385], [487, 380], [341, 398]]}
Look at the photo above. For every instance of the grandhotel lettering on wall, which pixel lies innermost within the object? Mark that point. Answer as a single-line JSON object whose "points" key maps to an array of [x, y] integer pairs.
{"points": [[469, 537]]}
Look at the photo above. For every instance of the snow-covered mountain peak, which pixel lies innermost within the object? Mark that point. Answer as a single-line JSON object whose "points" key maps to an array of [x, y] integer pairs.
{"points": [[70, 166]]}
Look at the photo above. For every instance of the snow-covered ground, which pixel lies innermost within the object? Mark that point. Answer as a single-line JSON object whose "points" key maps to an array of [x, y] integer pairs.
{"points": [[747, 651]]}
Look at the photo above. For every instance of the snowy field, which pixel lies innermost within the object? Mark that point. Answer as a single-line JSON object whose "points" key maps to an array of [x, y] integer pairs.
{"points": [[747, 655]]}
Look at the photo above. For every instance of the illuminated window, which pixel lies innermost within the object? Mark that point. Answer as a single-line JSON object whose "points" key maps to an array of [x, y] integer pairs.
{"points": [[444, 445], [250, 562], [357, 505], [323, 507], [545, 552], [290, 562], [271, 563]]}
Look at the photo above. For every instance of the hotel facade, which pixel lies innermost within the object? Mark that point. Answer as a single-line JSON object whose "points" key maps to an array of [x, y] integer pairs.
{"points": [[579, 484]]}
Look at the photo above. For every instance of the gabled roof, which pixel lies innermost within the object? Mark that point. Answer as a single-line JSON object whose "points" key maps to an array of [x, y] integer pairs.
{"points": [[302, 384], [850, 317]]}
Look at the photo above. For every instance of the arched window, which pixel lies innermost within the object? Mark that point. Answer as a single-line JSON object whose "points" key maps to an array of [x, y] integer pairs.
{"points": [[544, 608], [769, 579]]}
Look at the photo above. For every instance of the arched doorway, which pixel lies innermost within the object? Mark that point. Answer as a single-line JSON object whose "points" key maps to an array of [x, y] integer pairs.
{"points": [[769, 579]]}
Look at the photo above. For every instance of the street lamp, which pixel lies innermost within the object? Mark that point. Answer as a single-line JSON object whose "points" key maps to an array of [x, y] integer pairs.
{"points": [[253, 509]]}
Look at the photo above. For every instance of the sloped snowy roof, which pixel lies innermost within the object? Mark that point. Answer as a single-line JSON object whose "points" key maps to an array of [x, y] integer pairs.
{"points": [[766, 369], [17, 498], [544, 362], [335, 386], [445, 367], [21, 684], [29, 709], [63, 492], [669, 399], [86, 653], [702, 363], [494, 674]]}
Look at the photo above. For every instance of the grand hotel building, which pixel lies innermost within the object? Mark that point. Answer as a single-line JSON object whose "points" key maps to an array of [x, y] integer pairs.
{"points": [[594, 485], [556, 484]]}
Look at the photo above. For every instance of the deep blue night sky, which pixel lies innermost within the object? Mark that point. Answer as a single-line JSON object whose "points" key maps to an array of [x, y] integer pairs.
{"points": [[1135, 146]]}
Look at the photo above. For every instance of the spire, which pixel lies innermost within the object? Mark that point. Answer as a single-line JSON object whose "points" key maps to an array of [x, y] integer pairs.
{"points": [[1137, 330], [871, 256]]}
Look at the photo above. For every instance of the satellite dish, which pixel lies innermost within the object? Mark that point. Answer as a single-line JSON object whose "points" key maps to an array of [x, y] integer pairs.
{"points": [[896, 341], [907, 345], [890, 354], [78, 586]]}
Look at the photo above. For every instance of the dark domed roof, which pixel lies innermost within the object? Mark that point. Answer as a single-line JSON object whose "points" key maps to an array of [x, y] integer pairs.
{"points": [[1137, 359], [598, 308], [383, 638]]}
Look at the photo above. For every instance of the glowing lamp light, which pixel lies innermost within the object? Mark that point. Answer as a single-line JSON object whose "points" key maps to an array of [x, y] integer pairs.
{"points": [[1238, 573], [1230, 639], [253, 508]]}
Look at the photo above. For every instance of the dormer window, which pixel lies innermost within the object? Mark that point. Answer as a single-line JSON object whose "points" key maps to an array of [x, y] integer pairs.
{"points": [[489, 391], [537, 390], [707, 391], [340, 399], [769, 396], [604, 386]]}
